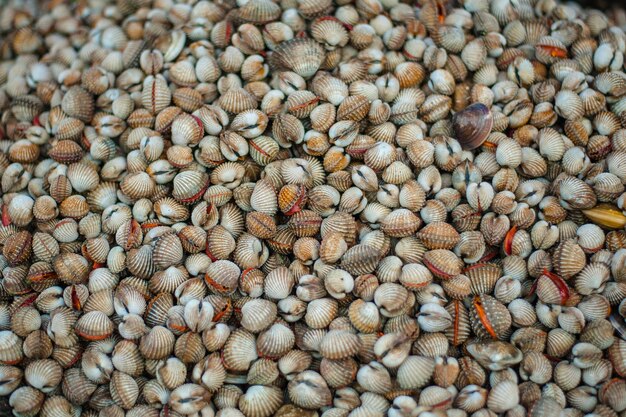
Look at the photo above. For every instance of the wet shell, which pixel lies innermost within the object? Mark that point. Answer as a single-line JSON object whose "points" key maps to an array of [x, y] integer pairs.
{"points": [[259, 12], [10, 348], [124, 389], [483, 277], [167, 251]]}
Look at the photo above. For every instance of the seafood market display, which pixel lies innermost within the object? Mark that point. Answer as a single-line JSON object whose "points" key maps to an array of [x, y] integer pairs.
{"points": [[331, 208]]}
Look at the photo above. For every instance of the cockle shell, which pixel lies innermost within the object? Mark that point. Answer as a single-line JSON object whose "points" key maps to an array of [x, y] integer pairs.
{"points": [[297, 208], [489, 317], [443, 263], [438, 235], [302, 56]]}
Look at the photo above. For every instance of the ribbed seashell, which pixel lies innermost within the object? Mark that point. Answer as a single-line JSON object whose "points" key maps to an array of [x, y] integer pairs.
{"points": [[339, 344], [483, 277], [167, 251], [438, 235], [400, 223], [494, 355], [37, 345], [18, 248], [309, 390], [66, 152], [237, 100], [443, 263], [259, 12], [23, 151], [239, 350], [126, 358], [263, 198], [77, 387], [27, 401], [260, 400], [489, 317], [598, 333], [338, 373], [189, 186], [305, 223], [170, 211], [79, 103], [222, 277], [415, 372], [94, 325], [302, 56], [257, 314], [292, 198], [360, 259], [71, 268], [44, 375], [220, 243], [157, 344], [287, 129], [320, 312], [503, 396], [616, 355], [156, 95], [263, 149], [301, 103], [575, 194], [275, 342], [568, 259], [27, 107], [124, 389]]}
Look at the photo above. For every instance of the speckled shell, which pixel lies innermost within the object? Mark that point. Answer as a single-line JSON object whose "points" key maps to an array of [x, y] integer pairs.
{"points": [[489, 317]]}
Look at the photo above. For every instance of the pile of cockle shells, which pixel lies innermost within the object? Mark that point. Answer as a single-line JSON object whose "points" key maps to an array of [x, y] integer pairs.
{"points": [[312, 208]]}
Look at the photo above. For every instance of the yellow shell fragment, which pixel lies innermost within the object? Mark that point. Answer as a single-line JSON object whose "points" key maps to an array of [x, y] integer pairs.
{"points": [[607, 216]]}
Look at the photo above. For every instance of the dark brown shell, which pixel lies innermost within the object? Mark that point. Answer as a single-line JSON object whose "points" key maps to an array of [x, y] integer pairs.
{"points": [[472, 125], [18, 248]]}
